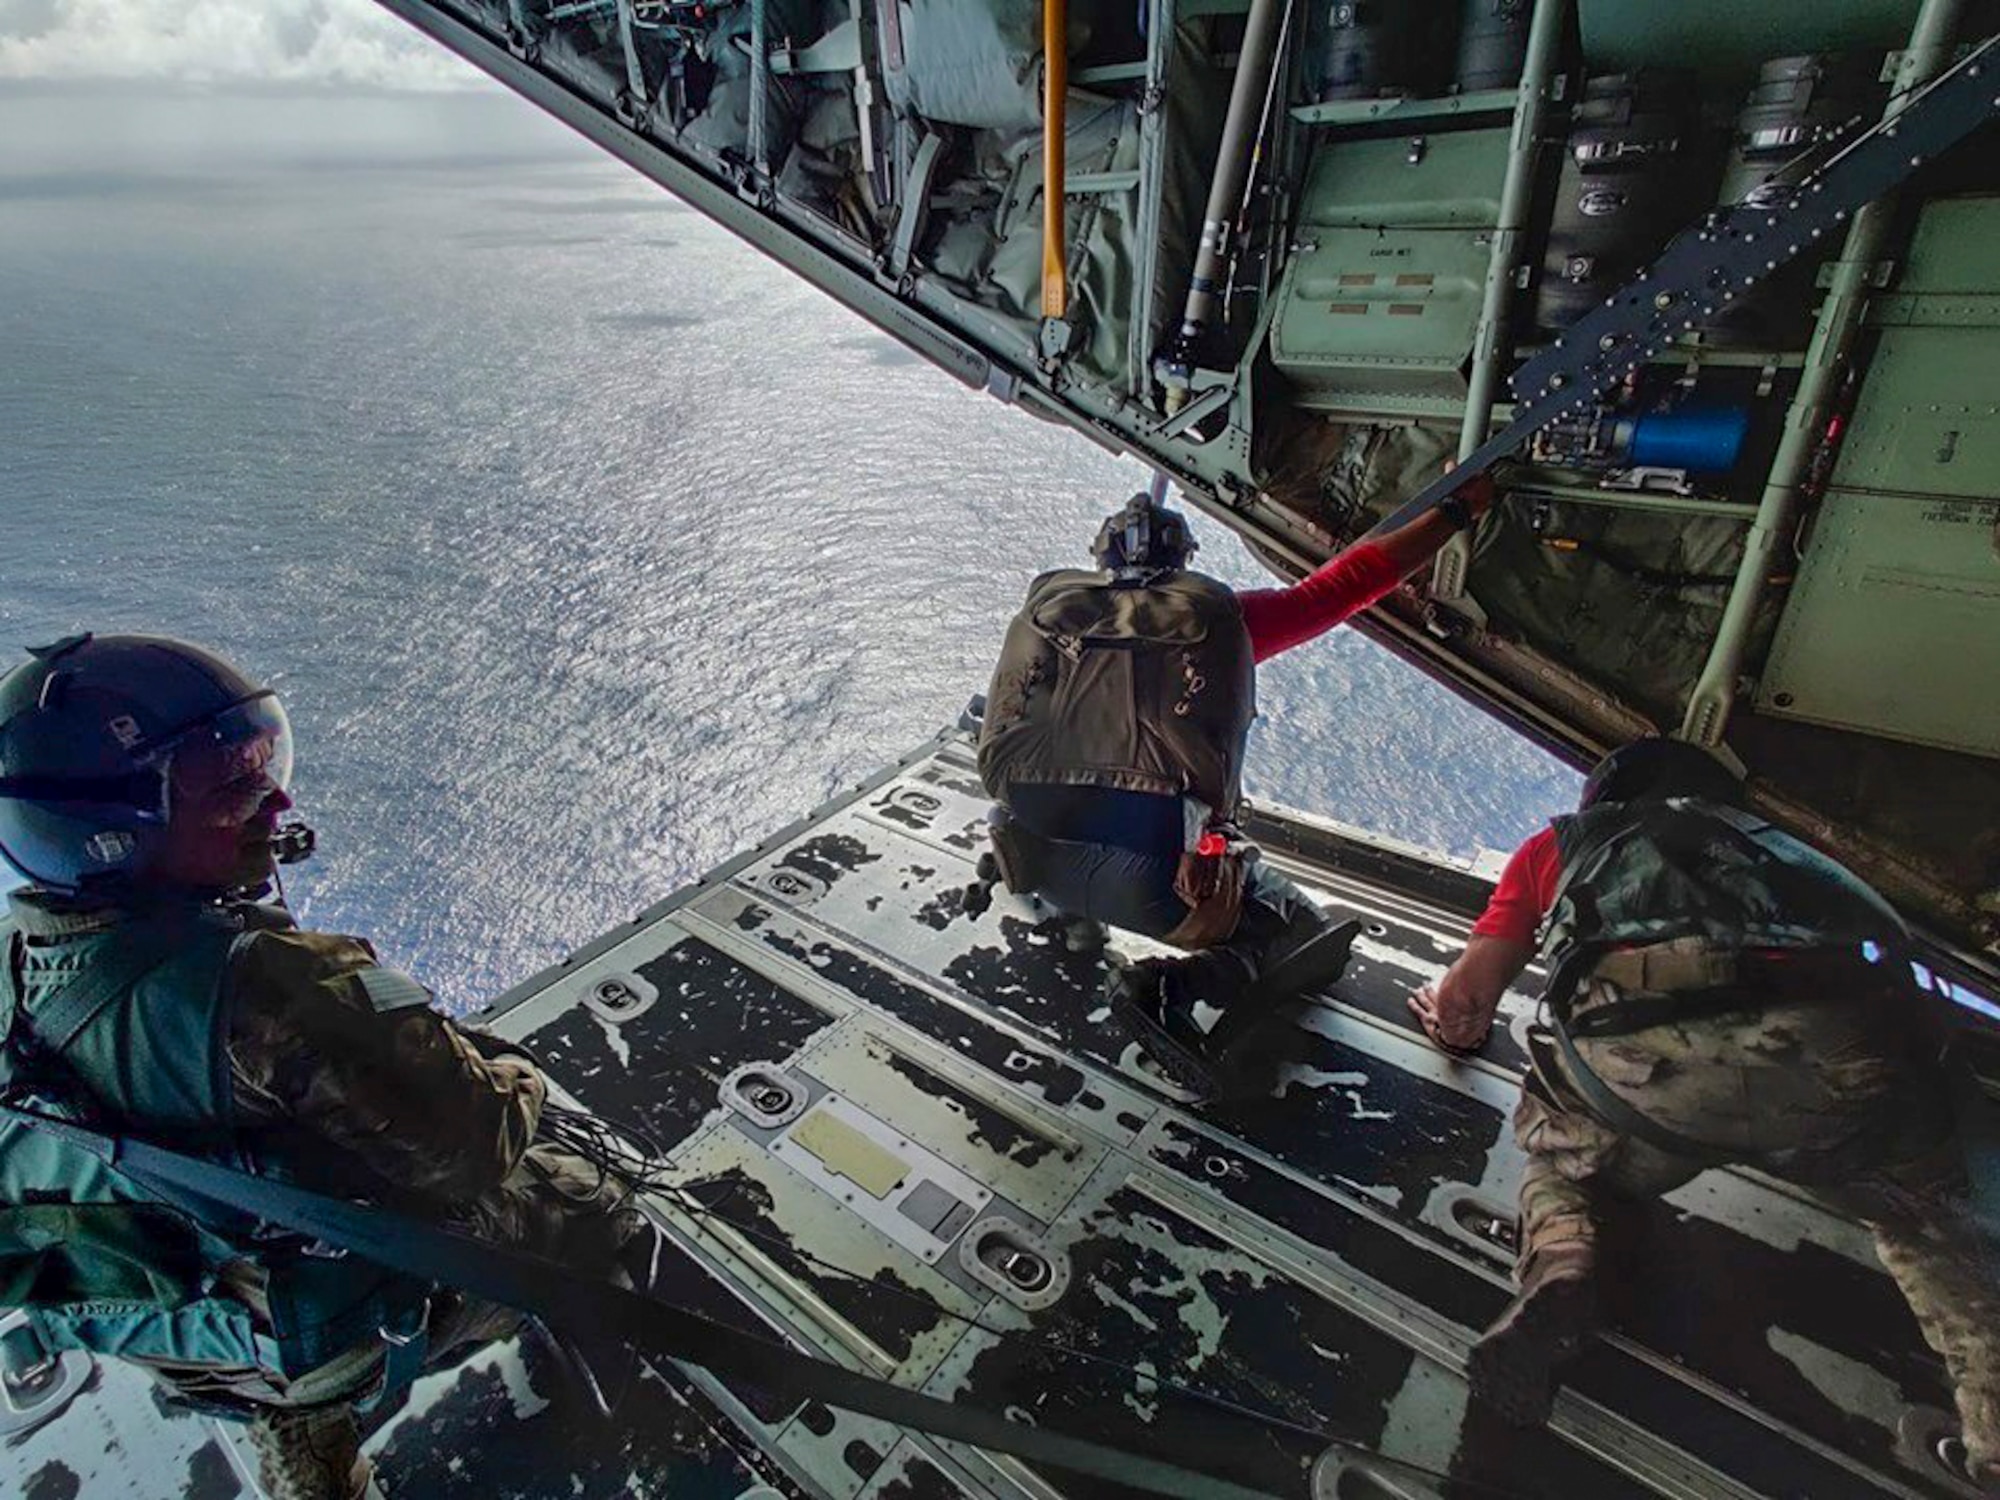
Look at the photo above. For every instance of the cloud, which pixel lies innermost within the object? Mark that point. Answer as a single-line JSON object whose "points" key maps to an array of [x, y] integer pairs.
{"points": [[214, 41]]}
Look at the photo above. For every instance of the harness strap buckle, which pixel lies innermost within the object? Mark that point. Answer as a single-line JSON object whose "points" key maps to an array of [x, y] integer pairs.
{"points": [[416, 1327], [407, 1345]]}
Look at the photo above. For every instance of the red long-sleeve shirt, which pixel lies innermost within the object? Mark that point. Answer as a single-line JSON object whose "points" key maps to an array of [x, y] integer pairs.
{"points": [[1279, 619], [1526, 890]]}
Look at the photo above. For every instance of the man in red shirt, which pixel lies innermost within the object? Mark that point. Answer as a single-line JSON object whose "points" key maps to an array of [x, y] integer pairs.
{"points": [[1113, 742], [1719, 993]]}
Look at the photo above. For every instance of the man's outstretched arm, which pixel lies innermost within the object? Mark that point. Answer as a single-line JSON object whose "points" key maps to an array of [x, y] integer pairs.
{"points": [[1457, 1011], [1279, 619]]}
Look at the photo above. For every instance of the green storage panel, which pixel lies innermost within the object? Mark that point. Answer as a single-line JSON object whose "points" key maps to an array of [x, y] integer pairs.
{"points": [[1377, 314], [1893, 626]]}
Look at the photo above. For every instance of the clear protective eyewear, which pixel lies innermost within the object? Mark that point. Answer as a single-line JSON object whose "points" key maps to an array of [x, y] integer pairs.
{"points": [[226, 767]]}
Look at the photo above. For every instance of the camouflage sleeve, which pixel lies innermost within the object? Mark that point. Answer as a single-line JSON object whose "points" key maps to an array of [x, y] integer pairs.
{"points": [[323, 1036]]}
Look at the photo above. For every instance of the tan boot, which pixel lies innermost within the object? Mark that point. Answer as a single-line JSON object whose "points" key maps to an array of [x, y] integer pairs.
{"points": [[309, 1453], [1513, 1368]]}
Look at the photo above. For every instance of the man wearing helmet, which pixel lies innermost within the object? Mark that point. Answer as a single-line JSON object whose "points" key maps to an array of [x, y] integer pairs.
{"points": [[141, 783], [1113, 743], [1719, 993]]}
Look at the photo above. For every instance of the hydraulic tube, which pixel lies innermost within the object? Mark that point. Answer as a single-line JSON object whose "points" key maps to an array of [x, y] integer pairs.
{"points": [[760, 88], [1055, 98], [635, 100], [1714, 693], [1490, 342], [1232, 167]]}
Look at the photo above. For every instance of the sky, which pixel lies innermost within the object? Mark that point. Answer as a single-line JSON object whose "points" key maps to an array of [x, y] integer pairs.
{"points": [[351, 43]]}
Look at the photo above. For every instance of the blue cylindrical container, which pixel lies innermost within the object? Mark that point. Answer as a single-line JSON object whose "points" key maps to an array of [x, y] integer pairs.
{"points": [[1704, 440]]}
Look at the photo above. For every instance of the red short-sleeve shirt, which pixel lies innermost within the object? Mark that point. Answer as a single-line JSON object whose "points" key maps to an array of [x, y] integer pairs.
{"points": [[1526, 890]]}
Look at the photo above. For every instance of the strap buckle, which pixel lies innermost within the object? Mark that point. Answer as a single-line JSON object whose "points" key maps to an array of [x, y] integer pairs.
{"points": [[406, 1346], [417, 1328]]}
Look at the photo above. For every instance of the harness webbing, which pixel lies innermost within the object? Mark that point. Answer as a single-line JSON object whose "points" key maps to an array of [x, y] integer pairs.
{"points": [[567, 1298], [1975, 1113], [59, 1020]]}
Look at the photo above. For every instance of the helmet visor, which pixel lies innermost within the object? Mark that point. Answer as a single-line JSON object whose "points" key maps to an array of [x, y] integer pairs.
{"points": [[225, 768]]}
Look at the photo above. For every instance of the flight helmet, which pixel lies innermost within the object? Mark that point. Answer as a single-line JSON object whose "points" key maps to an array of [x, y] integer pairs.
{"points": [[1658, 768], [1143, 536], [90, 730]]}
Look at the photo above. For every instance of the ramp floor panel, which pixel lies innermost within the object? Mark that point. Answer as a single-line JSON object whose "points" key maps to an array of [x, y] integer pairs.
{"points": [[1324, 1254]]}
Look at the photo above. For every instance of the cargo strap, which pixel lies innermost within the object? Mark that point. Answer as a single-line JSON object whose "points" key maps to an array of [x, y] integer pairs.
{"points": [[566, 1298]]}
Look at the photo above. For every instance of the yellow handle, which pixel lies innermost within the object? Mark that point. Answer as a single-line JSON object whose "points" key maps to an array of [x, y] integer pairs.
{"points": [[1055, 92]]}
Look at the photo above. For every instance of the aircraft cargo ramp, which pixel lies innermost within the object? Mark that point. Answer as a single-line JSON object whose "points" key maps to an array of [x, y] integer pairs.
{"points": [[913, 1141]]}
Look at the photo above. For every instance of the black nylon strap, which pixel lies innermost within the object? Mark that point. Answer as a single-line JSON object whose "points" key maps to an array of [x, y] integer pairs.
{"points": [[1619, 1115], [1810, 977], [1640, 1013], [566, 1298]]}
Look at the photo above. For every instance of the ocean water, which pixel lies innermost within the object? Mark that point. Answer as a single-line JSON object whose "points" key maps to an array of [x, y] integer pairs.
{"points": [[586, 545]]}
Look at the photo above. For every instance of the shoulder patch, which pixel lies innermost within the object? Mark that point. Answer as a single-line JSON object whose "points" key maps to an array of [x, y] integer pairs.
{"points": [[390, 989]]}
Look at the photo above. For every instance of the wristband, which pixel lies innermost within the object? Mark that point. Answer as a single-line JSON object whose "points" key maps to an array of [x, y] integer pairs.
{"points": [[1453, 510]]}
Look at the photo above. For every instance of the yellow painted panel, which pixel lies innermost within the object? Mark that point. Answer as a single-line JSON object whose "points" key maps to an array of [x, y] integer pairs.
{"points": [[850, 1154]]}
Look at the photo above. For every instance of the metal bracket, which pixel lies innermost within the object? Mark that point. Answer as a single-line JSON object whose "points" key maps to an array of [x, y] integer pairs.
{"points": [[765, 1095], [839, 51], [36, 1385], [1214, 399], [620, 997], [1002, 385], [1880, 275], [1061, 337], [1013, 1261]]}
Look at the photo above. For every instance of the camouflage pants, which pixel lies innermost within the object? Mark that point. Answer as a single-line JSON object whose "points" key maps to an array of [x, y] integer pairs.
{"points": [[1798, 1097]]}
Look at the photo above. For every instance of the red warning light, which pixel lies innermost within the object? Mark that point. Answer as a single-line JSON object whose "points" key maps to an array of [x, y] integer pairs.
{"points": [[1212, 846]]}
